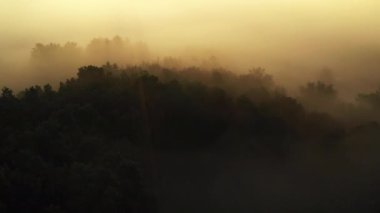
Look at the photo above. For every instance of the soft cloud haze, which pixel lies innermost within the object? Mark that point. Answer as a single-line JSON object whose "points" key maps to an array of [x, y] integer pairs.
{"points": [[287, 37]]}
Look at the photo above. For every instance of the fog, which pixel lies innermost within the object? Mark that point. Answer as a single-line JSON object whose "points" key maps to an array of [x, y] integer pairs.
{"points": [[293, 39], [189, 106]]}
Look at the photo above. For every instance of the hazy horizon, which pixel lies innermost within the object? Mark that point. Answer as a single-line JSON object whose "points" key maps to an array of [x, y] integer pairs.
{"points": [[189, 106], [292, 39]]}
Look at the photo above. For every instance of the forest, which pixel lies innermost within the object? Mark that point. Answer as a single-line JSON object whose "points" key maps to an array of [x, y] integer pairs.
{"points": [[156, 138], [201, 106]]}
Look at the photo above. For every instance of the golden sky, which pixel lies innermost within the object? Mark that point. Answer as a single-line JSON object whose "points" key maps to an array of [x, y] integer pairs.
{"points": [[291, 38], [181, 20], [258, 30]]}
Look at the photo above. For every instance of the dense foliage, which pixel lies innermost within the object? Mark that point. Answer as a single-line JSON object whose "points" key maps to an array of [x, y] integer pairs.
{"points": [[94, 144]]}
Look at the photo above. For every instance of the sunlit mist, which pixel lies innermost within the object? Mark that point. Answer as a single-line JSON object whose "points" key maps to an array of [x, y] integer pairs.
{"points": [[292, 38]]}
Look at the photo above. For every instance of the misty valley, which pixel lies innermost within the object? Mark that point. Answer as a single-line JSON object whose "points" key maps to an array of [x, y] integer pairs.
{"points": [[201, 106], [155, 138]]}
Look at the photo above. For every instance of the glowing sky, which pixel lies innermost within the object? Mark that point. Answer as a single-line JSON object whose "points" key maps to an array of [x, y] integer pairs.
{"points": [[261, 29], [189, 20]]}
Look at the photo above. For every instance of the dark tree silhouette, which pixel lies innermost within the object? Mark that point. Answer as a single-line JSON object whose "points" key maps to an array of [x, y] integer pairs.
{"points": [[148, 138]]}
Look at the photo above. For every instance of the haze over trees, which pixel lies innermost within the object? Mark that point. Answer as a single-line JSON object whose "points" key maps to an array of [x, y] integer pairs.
{"points": [[207, 106], [54, 62], [149, 138]]}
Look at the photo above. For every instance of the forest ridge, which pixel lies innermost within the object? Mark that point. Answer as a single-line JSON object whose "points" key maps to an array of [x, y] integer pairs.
{"points": [[108, 139]]}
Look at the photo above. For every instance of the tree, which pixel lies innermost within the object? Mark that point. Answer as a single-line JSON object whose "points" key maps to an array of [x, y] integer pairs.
{"points": [[7, 93], [319, 96], [370, 99]]}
